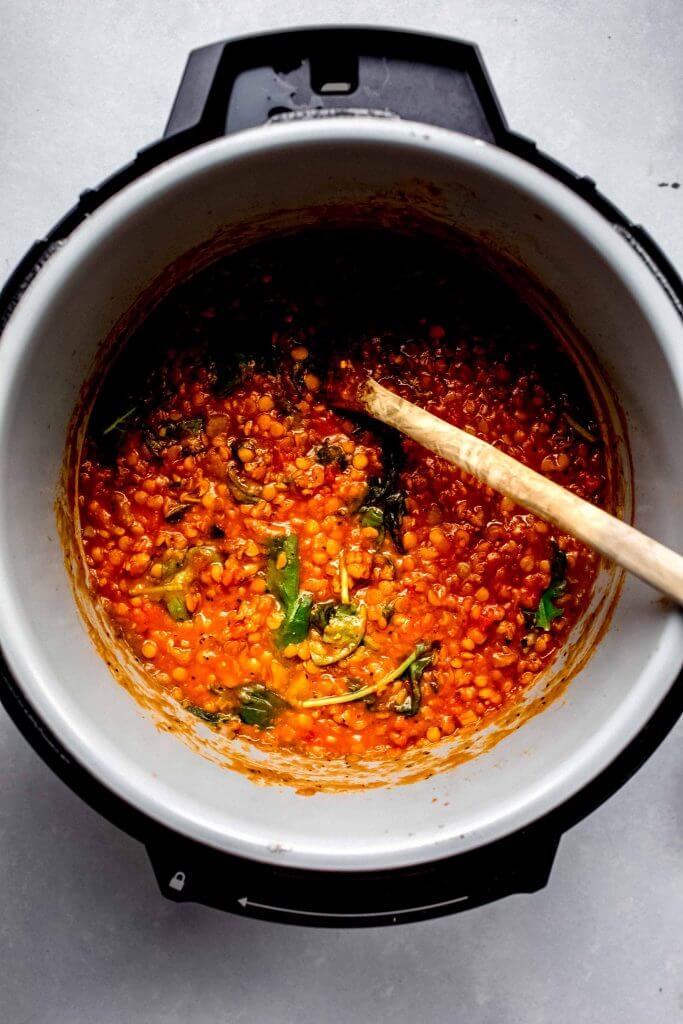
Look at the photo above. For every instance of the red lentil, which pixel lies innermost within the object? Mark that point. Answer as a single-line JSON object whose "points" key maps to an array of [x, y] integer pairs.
{"points": [[272, 454]]}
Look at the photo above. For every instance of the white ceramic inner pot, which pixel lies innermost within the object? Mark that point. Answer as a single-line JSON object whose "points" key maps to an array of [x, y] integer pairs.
{"points": [[249, 186]]}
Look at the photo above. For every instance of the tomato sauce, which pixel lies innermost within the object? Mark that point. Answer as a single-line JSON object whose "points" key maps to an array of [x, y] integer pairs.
{"points": [[289, 570]]}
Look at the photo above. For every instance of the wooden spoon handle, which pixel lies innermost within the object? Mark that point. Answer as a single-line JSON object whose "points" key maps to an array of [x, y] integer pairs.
{"points": [[626, 546]]}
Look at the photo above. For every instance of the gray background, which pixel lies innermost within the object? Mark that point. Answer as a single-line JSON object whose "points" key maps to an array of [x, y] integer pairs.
{"points": [[84, 934]]}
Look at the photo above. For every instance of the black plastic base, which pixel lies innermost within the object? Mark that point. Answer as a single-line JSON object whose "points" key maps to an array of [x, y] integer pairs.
{"points": [[226, 87], [189, 872], [521, 863]]}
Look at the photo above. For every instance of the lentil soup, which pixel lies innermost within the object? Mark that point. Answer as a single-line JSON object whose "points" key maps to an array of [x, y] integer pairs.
{"points": [[289, 570]]}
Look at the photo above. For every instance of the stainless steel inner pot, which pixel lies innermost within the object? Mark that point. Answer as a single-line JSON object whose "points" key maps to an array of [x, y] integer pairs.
{"points": [[249, 186]]}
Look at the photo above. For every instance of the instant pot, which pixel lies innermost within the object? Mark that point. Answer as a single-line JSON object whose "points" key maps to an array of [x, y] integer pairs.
{"points": [[278, 130]]}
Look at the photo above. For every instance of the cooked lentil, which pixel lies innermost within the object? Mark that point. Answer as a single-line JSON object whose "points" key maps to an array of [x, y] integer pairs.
{"points": [[234, 438]]}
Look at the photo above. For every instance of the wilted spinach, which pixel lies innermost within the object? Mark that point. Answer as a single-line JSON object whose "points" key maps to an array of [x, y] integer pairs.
{"points": [[413, 676], [422, 654], [388, 611], [256, 705], [212, 717], [542, 617], [230, 368], [282, 580], [184, 432], [329, 453], [384, 492], [392, 504], [176, 513], [259, 706], [341, 635], [282, 571], [178, 572], [320, 614], [371, 515], [237, 349], [176, 607], [355, 684], [547, 611], [294, 627], [244, 492]]}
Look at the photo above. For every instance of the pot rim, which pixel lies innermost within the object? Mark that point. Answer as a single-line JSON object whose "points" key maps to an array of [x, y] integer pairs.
{"points": [[120, 774]]}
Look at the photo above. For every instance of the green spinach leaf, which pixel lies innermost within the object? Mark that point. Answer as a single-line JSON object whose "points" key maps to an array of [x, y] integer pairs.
{"points": [[392, 505], [282, 580], [175, 514], [294, 627], [176, 607], [213, 717], [320, 614], [184, 432], [547, 611], [364, 692], [329, 453], [256, 705], [385, 492], [178, 572], [230, 368], [172, 564], [343, 632], [372, 515], [388, 611], [282, 570], [246, 493], [413, 676], [259, 706], [356, 684]]}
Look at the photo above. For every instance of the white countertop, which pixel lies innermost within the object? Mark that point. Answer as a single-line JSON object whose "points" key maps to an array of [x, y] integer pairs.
{"points": [[85, 937]]}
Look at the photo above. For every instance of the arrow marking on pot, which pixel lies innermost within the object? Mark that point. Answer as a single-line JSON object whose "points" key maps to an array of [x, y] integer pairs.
{"points": [[245, 902]]}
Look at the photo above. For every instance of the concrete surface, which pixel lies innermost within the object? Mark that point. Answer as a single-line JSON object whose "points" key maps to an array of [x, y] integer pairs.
{"points": [[85, 937]]}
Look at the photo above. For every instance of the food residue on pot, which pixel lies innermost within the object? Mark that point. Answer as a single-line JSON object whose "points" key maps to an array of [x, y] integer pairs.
{"points": [[293, 574]]}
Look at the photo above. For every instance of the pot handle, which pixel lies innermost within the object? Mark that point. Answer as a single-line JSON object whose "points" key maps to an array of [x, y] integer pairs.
{"points": [[242, 83], [233, 85], [187, 872]]}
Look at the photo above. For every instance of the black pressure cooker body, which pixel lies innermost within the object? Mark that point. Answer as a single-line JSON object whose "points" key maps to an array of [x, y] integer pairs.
{"points": [[234, 85]]}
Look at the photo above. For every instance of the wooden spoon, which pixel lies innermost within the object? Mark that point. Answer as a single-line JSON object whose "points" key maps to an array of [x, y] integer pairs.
{"points": [[647, 558]]}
